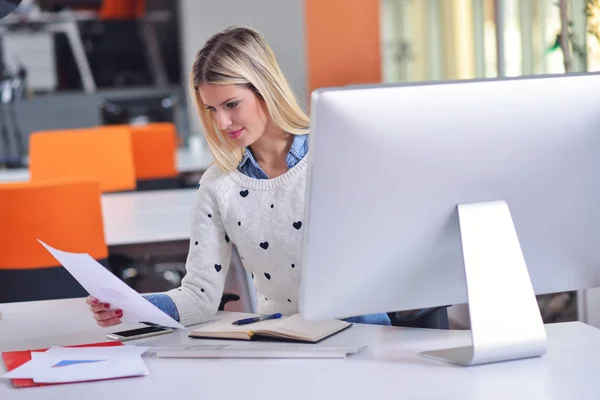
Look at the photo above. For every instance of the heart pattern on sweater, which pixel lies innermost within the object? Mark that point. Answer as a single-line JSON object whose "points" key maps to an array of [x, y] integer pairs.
{"points": [[254, 211]]}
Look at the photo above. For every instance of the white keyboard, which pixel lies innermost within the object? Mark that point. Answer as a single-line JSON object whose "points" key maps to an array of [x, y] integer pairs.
{"points": [[257, 350]]}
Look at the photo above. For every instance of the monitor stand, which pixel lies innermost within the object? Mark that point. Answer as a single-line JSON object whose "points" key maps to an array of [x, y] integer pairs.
{"points": [[506, 323]]}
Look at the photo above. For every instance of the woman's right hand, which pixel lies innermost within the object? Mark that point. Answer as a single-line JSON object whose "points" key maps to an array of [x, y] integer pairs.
{"points": [[103, 314]]}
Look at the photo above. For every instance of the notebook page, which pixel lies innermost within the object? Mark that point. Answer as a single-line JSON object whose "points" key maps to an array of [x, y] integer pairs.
{"points": [[296, 325]]}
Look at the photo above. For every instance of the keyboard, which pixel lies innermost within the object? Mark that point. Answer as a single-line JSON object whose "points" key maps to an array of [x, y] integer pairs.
{"points": [[257, 350]]}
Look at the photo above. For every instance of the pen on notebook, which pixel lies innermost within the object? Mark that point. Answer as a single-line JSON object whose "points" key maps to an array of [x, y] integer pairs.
{"points": [[252, 320]]}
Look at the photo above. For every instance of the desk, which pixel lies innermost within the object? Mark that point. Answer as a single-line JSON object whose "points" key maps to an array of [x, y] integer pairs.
{"points": [[187, 162], [14, 175], [389, 368], [193, 161], [147, 217]]}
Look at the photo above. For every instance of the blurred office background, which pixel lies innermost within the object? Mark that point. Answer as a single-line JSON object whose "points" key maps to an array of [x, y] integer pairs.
{"points": [[426, 40], [129, 59], [88, 63]]}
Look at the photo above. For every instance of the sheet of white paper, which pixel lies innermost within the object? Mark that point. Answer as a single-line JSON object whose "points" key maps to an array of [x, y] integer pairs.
{"points": [[23, 371], [103, 285], [82, 353], [28, 370], [51, 371], [41, 360]]}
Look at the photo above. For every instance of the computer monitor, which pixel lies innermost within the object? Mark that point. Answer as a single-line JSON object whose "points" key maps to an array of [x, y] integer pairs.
{"points": [[481, 192]]}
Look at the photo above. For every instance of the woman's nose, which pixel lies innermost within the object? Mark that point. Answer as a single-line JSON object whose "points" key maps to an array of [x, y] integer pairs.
{"points": [[223, 120]]}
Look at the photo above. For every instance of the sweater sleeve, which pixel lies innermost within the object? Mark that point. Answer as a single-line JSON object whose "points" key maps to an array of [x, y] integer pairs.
{"points": [[209, 255]]}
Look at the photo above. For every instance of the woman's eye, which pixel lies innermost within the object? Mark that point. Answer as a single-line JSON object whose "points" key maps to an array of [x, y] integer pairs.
{"points": [[232, 104], [211, 109]]}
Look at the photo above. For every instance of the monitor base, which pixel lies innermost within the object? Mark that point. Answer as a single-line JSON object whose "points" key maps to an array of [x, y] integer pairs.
{"points": [[506, 323]]}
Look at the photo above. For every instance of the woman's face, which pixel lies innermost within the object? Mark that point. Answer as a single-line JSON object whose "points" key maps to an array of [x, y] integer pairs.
{"points": [[237, 111]]}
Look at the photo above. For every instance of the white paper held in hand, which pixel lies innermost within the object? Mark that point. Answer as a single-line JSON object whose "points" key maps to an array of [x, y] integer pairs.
{"points": [[103, 285]]}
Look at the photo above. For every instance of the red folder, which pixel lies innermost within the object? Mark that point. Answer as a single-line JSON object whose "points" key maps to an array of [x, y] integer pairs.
{"points": [[14, 359]]}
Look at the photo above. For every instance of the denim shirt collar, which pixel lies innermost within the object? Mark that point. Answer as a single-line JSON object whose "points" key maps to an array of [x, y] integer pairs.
{"points": [[297, 152]]}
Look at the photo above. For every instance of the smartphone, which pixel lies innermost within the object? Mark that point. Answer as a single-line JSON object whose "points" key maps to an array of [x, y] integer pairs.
{"points": [[138, 333]]}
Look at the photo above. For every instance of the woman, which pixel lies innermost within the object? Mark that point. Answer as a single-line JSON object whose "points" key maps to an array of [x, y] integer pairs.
{"points": [[254, 195]]}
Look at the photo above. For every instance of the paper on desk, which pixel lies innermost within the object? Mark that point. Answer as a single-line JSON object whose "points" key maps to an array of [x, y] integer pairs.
{"points": [[103, 285], [59, 364], [50, 366], [63, 354], [80, 353], [109, 369]]}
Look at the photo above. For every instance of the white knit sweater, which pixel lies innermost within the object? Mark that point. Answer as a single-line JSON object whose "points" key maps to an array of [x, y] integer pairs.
{"points": [[263, 218]]}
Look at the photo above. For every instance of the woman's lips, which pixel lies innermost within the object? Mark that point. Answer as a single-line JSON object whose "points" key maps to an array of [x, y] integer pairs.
{"points": [[235, 134]]}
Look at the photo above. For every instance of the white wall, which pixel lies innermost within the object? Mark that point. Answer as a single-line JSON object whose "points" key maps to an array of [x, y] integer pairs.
{"points": [[280, 21], [589, 307]]}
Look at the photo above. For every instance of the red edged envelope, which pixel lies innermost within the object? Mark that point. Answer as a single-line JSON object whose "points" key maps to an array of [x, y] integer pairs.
{"points": [[14, 359]]}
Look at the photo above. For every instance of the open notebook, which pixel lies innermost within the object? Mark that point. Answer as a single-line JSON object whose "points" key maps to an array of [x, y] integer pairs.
{"points": [[294, 328]]}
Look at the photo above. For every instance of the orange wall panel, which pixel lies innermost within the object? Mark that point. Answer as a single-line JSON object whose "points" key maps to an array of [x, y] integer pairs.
{"points": [[343, 42]]}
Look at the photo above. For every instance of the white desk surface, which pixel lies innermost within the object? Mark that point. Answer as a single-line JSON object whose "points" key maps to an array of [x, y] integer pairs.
{"points": [[389, 368], [193, 161], [147, 217], [14, 175], [187, 161]]}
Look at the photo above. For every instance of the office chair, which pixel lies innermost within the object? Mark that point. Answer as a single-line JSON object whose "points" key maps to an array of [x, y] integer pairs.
{"points": [[435, 319], [101, 153], [226, 298], [64, 214], [154, 156], [145, 276]]}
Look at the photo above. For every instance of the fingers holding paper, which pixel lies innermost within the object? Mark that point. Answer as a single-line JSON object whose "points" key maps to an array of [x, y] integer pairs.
{"points": [[92, 301], [108, 318], [103, 314]]}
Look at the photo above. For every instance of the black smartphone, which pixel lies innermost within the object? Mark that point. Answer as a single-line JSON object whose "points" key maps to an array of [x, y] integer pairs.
{"points": [[139, 333]]}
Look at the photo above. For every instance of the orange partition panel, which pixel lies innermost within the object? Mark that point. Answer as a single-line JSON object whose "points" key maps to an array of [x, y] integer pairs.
{"points": [[342, 42], [122, 9], [154, 150], [102, 153], [64, 214]]}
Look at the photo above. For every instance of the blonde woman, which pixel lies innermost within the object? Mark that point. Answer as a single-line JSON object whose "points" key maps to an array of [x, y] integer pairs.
{"points": [[253, 196]]}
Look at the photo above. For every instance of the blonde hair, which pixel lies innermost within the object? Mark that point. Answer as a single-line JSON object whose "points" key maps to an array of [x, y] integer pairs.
{"points": [[241, 56]]}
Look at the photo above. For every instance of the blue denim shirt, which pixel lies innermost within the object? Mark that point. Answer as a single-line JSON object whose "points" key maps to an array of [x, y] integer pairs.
{"points": [[249, 167]]}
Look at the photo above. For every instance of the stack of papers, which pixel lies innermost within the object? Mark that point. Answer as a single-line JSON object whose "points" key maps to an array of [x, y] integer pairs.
{"points": [[64, 365]]}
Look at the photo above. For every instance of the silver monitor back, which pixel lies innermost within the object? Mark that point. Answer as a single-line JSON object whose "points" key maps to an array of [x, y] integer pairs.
{"points": [[389, 164]]}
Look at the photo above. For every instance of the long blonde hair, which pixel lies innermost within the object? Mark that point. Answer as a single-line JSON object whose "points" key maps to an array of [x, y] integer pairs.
{"points": [[241, 56]]}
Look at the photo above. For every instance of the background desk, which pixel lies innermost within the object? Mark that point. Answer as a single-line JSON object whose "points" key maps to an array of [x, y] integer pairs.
{"points": [[187, 162], [147, 218], [390, 368]]}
